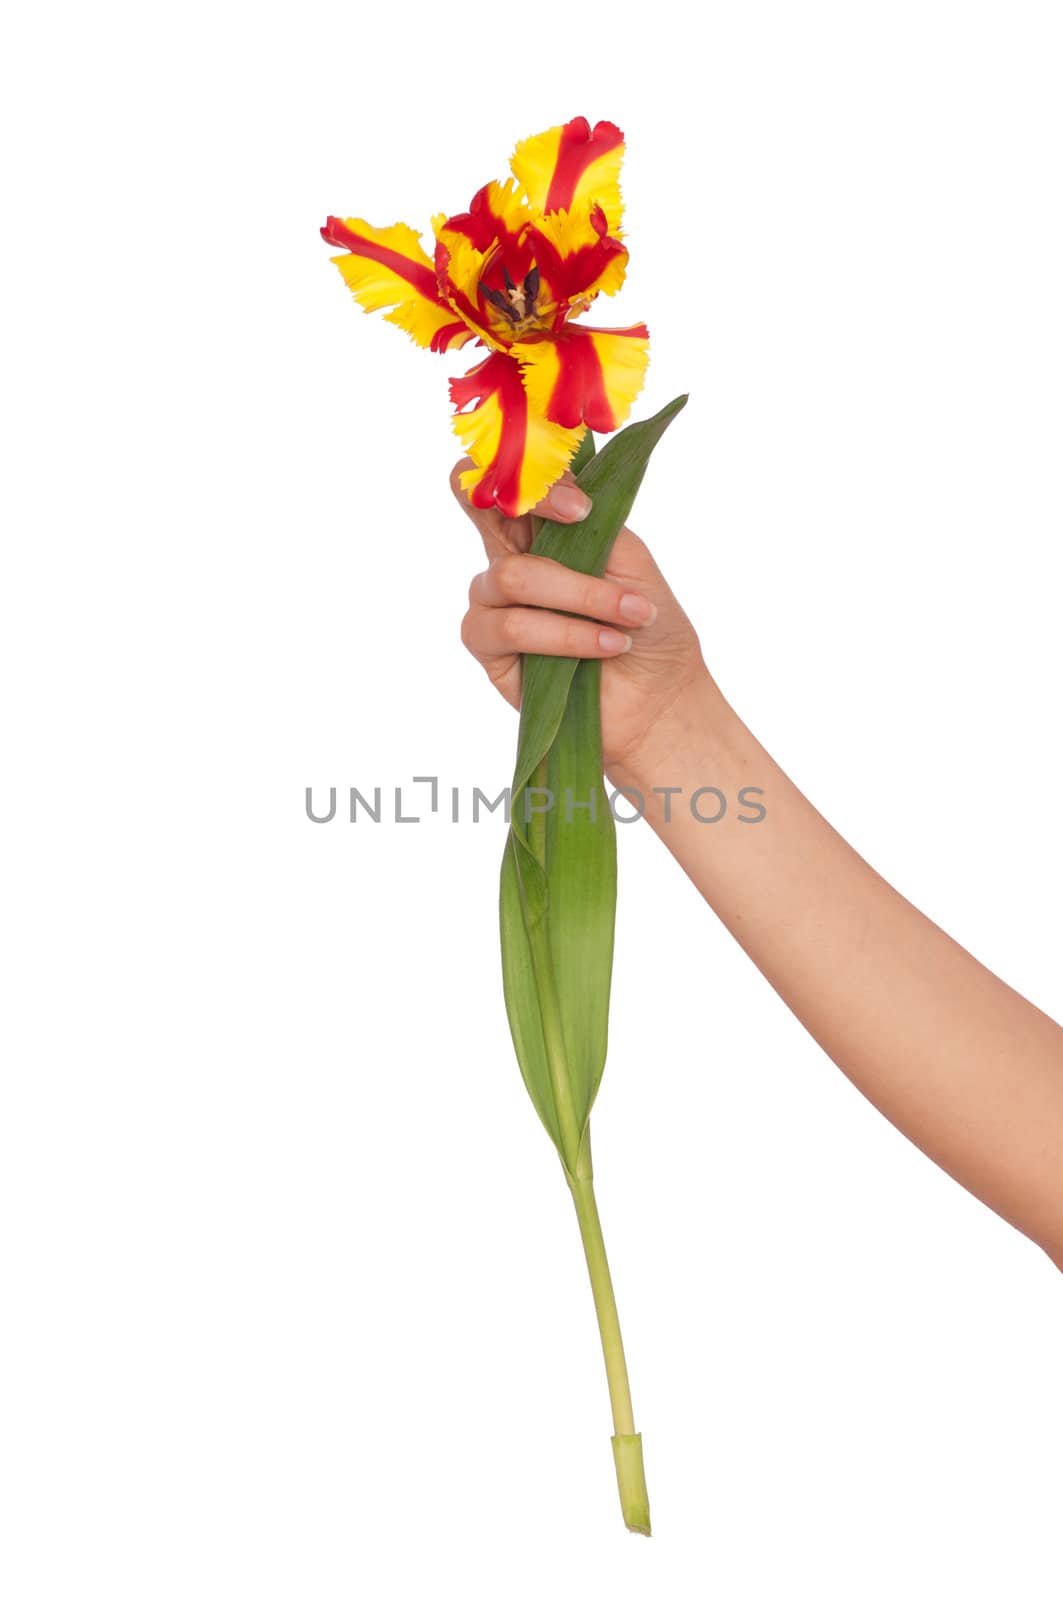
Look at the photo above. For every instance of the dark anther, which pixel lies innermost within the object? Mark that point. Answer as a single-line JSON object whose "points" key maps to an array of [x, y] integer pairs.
{"points": [[497, 298], [510, 285], [531, 290]]}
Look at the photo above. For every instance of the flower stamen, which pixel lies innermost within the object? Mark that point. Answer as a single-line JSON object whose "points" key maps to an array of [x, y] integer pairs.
{"points": [[519, 305]]}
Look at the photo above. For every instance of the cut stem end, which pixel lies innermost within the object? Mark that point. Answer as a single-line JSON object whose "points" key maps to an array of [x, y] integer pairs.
{"points": [[631, 1481]]}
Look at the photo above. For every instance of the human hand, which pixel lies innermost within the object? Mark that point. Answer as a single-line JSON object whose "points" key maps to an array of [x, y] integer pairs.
{"points": [[629, 619]]}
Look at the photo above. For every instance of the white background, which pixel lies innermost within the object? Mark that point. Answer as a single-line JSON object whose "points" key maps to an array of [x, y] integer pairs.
{"points": [[294, 1298]]}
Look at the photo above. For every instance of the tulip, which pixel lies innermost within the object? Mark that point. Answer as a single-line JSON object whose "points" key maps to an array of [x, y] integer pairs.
{"points": [[511, 274]]}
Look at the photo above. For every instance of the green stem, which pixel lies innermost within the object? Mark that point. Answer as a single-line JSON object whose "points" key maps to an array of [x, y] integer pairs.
{"points": [[627, 1444], [590, 1227], [576, 1163]]}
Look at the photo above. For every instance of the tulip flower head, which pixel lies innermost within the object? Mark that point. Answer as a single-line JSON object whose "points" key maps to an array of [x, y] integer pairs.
{"points": [[511, 275]]}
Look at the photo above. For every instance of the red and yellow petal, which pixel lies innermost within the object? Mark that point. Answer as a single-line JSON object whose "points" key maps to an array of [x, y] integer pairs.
{"points": [[585, 375], [459, 268], [577, 256], [517, 452], [388, 267], [483, 255], [498, 213], [572, 165]]}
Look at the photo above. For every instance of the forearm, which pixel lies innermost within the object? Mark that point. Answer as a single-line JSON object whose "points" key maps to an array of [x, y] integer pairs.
{"points": [[961, 1063]]}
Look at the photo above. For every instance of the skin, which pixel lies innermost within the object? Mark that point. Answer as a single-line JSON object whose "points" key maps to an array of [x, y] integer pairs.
{"points": [[967, 1068]]}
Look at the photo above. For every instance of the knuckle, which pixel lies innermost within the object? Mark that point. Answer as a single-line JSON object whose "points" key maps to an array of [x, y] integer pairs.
{"points": [[511, 627], [467, 631], [455, 478], [632, 545], [511, 576], [577, 639]]}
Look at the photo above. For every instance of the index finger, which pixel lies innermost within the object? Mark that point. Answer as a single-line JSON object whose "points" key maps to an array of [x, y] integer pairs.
{"points": [[563, 502]]}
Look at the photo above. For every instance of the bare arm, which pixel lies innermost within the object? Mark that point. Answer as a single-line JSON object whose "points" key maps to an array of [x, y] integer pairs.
{"points": [[961, 1063], [966, 1067]]}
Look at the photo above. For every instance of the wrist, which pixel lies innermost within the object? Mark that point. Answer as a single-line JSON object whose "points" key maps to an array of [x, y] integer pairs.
{"points": [[688, 738]]}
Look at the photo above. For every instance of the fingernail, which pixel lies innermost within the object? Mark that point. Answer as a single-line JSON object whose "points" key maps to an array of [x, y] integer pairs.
{"points": [[569, 502], [609, 639], [635, 608]]}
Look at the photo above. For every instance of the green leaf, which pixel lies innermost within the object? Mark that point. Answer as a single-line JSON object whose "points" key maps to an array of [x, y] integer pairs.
{"points": [[522, 995], [612, 479], [558, 888], [581, 886]]}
